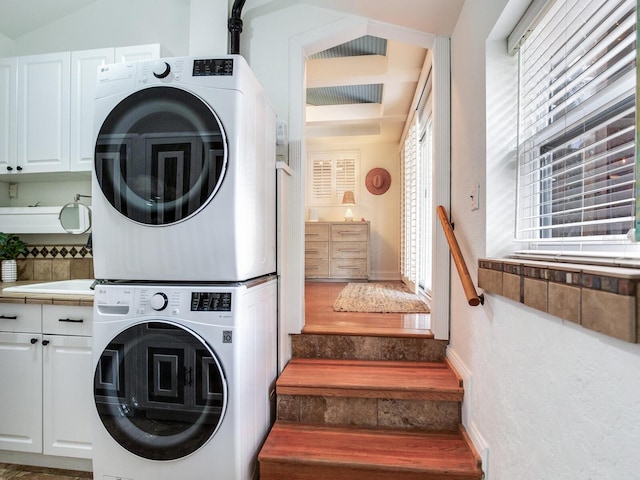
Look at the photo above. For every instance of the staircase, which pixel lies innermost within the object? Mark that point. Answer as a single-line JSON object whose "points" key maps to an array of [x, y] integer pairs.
{"points": [[356, 407]]}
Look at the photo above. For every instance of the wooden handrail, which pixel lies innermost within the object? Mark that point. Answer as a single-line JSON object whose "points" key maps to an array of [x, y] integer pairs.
{"points": [[467, 284]]}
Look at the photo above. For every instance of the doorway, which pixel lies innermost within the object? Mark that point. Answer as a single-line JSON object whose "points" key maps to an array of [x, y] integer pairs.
{"points": [[292, 269]]}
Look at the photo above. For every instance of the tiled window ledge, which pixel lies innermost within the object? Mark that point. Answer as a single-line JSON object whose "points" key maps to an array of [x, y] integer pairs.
{"points": [[603, 299]]}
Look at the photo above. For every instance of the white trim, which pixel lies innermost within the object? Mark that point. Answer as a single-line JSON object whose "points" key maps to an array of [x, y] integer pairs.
{"points": [[349, 28], [440, 257], [478, 440]]}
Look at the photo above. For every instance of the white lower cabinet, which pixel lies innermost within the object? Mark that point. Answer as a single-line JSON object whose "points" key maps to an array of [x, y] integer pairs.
{"points": [[21, 392], [47, 397]]}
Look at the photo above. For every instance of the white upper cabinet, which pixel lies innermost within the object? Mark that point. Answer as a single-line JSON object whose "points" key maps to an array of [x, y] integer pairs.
{"points": [[7, 113], [46, 108], [43, 113], [84, 65]]}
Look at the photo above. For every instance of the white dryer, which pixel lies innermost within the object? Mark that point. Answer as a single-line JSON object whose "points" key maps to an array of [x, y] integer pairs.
{"points": [[184, 175], [184, 379]]}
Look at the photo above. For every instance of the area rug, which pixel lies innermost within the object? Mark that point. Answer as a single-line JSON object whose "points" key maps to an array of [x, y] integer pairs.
{"points": [[378, 298]]}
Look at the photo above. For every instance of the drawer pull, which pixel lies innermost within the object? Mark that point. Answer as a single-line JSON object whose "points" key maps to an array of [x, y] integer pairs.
{"points": [[347, 232], [33, 341], [71, 320], [311, 251], [8, 317], [45, 342], [349, 268], [351, 250]]}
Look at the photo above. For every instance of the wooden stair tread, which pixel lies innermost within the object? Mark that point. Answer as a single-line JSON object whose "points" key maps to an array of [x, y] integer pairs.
{"points": [[370, 379], [388, 454]]}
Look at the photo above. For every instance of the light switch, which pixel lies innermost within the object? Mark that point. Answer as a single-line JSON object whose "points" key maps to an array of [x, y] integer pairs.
{"points": [[475, 197]]}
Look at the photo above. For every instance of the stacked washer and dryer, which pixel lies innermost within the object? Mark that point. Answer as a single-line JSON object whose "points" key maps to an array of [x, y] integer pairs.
{"points": [[184, 241]]}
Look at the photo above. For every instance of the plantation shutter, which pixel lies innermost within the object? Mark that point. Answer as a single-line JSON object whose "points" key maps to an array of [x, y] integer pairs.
{"points": [[330, 175], [576, 153]]}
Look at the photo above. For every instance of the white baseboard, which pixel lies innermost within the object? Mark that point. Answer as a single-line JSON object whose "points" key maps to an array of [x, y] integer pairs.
{"points": [[478, 440], [385, 276]]}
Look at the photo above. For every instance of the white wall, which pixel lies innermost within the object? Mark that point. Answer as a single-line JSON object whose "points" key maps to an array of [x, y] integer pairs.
{"points": [[383, 211], [549, 399], [114, 23]]}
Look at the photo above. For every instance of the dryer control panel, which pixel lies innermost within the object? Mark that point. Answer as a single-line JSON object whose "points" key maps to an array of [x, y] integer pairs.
{"points": [[210, 301]]}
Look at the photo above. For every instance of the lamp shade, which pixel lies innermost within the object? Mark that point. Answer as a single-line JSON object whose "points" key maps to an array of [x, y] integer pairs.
{"points": [[348, 198]]}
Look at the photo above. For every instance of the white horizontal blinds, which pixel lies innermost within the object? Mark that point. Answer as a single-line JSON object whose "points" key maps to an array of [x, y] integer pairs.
{"points": [[330, 175], [577, 123]]}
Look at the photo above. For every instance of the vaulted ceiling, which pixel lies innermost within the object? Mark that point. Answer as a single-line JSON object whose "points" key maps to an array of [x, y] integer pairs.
{"points": [[354, 90]]}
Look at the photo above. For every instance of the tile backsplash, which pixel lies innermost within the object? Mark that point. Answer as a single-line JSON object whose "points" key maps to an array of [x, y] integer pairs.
{"points": [[55, 262]]}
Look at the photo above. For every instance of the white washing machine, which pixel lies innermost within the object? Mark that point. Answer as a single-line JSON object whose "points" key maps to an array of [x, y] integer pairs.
{"points": [[184, 174], [184, 379]]}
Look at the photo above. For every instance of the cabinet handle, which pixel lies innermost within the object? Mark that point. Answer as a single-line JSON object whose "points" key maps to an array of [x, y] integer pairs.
{"points": [[308, 252], [34, 341], [9, 169], [188, 376], [19, 168], [8, 317], [71, 320], [45, 342]]}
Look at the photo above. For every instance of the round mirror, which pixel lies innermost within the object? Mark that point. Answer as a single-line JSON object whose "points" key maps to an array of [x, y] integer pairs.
{"points": [[75, 218]]}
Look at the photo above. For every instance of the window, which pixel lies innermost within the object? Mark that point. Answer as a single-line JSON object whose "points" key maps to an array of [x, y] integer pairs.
{"points": [[577, 127], [332, 174]]}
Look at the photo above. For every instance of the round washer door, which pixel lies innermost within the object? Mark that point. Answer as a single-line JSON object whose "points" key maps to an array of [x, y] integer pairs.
{"points": [[160, 155], [159, 390]]}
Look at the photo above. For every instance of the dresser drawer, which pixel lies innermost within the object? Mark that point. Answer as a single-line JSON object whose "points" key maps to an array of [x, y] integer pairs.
{"points": [[349, 268], [316, 232], [350, 232], [316, 267], [316, 250], [348, 250]]}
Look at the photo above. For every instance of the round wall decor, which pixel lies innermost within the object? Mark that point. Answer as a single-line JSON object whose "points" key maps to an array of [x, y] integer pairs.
{"points": [[378, 181]]}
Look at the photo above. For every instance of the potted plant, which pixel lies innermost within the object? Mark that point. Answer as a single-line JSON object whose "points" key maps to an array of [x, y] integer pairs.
{"points": [[10, 248]]}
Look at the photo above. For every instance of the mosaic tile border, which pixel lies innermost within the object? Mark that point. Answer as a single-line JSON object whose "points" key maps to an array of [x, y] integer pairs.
{"points": [[603, 299], [568, 275], [57, 251]]}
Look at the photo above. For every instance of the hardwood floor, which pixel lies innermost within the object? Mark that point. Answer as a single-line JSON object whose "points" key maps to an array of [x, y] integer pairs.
{"points": [[320, 317]]}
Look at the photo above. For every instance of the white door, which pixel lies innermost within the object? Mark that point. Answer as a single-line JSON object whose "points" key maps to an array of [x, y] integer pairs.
{"points": [[84, 66], [67, 396], [7, 114], [21, 392], [43, 112]]}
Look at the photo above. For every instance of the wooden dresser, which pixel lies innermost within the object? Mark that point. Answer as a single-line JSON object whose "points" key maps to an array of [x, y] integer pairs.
{"points": [[336, 250]]}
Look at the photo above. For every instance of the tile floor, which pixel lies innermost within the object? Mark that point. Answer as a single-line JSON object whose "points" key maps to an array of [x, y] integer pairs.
{"points": [[14, 472]]}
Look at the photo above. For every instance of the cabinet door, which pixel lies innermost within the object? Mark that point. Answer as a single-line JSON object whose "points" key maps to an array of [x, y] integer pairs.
{"points": [[67, 396], [21, 392], [43, 112], [137, 52], [7, 114], [84, 66]]}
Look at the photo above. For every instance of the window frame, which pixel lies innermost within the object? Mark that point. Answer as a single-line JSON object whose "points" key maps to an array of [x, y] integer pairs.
{"points": [[333, 198]]}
